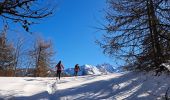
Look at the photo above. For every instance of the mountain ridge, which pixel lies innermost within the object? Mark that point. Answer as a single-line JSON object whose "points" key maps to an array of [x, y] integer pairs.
{"points": [[88, 69]]}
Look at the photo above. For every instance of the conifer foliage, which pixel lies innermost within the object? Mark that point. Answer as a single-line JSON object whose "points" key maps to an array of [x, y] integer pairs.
{"points": [[41, 55], [138, 31], [6, 55]]}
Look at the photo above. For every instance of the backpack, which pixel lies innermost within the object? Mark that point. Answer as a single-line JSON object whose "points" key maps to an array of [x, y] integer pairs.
{"points": [[76, 68]]}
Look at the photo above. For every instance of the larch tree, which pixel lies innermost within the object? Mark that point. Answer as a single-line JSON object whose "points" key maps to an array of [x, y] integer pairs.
{"points": [[138, 31], [42, 57], [6, 55]]}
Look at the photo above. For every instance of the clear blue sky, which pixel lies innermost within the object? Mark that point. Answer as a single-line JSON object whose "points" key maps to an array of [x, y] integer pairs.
{"points": [[73, 34]]}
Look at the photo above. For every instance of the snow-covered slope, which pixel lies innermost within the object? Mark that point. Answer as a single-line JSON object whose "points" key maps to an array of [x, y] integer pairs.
{"points": [[84, 70], [90, 70], [106, 68], [93, 70], [124, 86]]}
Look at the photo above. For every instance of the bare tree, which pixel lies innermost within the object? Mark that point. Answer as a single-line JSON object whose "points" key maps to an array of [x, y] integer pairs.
{"points": [[138, 32], [25, 12], [18, 55]]}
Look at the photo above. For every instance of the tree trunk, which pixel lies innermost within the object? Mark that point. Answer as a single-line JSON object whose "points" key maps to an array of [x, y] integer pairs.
{"points": [[157, 52]]}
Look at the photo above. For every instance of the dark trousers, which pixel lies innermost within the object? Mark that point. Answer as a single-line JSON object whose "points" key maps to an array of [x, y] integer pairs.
{"points": [[58, 73], [75, 73]]}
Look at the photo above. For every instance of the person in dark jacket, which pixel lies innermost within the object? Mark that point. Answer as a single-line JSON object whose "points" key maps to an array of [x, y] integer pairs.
{"points": [[59, 68], [76, 69]]}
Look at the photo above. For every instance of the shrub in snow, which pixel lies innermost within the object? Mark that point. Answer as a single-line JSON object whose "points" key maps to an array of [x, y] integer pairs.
{"points": [[51, 87]]}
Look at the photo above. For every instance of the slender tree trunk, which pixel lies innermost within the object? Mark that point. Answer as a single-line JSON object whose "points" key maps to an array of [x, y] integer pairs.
{"points": [[168, 49], [157, 52]]}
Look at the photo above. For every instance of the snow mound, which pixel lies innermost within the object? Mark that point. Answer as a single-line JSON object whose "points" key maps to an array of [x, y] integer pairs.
{"points": [[166, 65], [52, 87]]}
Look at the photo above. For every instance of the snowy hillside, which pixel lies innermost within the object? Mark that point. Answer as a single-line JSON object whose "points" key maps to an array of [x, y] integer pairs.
{"points": [[85, 70], [93, 70], [106, 68], [116, 86]]}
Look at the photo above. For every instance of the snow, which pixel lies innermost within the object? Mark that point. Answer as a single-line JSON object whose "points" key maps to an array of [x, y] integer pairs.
{"points": [[116, 86], [106, 68], [166, 65], [93, 70]]}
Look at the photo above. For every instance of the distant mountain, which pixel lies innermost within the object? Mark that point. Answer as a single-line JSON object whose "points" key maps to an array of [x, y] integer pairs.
{"points": [[106, 68], [93, 70], [84, 70]]}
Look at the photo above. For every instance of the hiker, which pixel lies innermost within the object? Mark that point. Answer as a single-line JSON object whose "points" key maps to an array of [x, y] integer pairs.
{"points": [[76, 69], [59, 68]]}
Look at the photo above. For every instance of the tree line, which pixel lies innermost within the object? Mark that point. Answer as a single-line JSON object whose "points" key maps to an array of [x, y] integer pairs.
{"points": [[13, 58], [17, 60]]}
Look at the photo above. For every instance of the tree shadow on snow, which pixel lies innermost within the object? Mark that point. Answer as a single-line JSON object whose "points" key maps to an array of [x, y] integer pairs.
{"points": [[43, 96], [130, 86]]}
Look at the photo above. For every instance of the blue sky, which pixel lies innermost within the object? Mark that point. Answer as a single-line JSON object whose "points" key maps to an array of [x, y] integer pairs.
{"points": [[73, 34]]}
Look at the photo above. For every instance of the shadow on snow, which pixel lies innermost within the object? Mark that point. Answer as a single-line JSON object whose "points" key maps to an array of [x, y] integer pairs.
{"points": [[130, 86]]}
